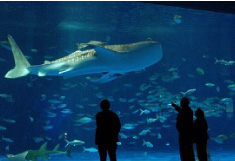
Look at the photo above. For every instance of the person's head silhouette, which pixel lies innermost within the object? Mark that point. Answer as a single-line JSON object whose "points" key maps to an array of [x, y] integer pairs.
{"points": [[105, 105], [199, 113], [184, 102]]}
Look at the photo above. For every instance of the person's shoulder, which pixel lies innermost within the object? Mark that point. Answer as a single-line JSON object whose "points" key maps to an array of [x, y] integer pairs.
{"points": [[98, 114], [113, 113]]}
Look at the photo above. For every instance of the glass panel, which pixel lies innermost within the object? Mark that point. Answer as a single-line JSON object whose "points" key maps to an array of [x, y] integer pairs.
{"points": [[72, 59]]}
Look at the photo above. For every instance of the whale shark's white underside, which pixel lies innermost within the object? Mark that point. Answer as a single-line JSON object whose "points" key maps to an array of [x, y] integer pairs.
{"points": [[111, 60]]}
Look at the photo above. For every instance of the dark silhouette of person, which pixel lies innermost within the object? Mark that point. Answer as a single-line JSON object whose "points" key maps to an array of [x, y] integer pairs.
{"points": [[184, 125], [201, 135], [107, 129]]}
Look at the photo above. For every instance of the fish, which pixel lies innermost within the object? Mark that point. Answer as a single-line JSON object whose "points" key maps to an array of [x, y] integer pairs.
{"points": [[33, 155], [2, 128], [91, 150], [231, 87], [74, 142], [200, 71], [220, 139], [123, 136], [112, 61], [188, 92], [144, 132], [151, 120], [159, 136], [7, 140], [129, 126], [224, 62], [148, 144], [9, 121], [210, 84], [66, 111], [84, 120], [7, 148], [144, 111]]}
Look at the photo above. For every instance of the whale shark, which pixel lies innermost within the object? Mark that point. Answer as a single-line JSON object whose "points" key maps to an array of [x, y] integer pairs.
{"points": [[33, 155], [112, 61]]}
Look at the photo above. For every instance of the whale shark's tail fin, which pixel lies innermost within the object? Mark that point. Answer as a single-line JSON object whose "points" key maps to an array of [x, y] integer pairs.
{"points": [[21, 63]]}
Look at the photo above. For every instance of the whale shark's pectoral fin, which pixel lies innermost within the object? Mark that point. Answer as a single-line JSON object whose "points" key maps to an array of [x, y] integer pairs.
{"points": [[66, 70], [107, 77]]}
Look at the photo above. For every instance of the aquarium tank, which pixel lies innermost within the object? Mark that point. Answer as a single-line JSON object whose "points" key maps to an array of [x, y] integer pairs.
{"points": [[60, 59]]}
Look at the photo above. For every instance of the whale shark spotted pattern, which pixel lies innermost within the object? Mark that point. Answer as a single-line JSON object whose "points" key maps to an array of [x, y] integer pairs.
{"points": [[110, 60]]}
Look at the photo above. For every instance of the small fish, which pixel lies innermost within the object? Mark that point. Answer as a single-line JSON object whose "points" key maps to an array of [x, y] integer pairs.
{"points": [[210, 84], [188, 92], [2, 128], [159, 136], [122, 99], [173, 70], [55, 101], [123, 136], [48, 127], [84, 120], [66, 111], [62, 105], [7, 140], [231, 87], [167, 144], [31, 119], [143, 87], [148, 144], [144, 132], [135, 137], [129, 126], [6, 96], [38, 139], [162, 119], [91, 150], [144, 112], [51, 114], [34, 50], [74, 142], [9, 121], [220, 139], [7, 148], [224, 62], [151, 120], [200, 71]]}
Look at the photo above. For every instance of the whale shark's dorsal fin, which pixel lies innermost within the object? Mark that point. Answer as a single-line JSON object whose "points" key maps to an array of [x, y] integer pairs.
{"points": [[105, 53], [43, 147], [46, 62], [56, 147]]}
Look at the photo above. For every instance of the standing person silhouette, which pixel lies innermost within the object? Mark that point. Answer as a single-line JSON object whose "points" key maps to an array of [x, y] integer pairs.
{"points": [[107, 129], [184, 125], [200, 135]]}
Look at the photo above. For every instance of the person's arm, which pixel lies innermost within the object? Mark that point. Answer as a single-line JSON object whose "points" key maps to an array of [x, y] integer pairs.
{"points": [[119, 124], [177, 108]]}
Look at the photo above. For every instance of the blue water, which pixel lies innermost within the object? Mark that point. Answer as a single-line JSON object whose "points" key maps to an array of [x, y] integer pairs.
{"points": [[191, 40], [148, 156]]}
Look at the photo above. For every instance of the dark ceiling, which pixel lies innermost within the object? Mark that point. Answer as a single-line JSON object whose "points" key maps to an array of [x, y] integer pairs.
{"points": [[218, 6]]}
